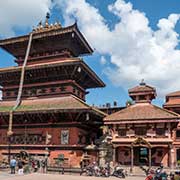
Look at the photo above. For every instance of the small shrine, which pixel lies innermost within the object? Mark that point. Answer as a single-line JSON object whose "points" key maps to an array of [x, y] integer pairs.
{"points": [[142, 133]]}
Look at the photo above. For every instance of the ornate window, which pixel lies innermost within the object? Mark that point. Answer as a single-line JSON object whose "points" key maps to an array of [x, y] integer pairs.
{"points": [[43, 90], [65, 137], [78, 93], [33, 92], [27, 139], [62, 88], [53, 89], [25, 92], [8, 93], [160, 132], [178, 134], [74, 90], [122, 132], [140, 131]]}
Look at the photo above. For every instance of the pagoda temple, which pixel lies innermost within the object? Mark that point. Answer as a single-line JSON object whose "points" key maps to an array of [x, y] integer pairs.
{"points": [[52, 118], [173, 103], [142, 133]]}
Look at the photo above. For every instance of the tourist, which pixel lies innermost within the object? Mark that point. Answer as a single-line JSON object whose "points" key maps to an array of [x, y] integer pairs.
{"points": [[20, 167], [13, 165], [43, 165]]}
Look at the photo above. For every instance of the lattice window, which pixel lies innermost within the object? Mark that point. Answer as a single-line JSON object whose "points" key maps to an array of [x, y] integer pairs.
{"points": [[25, 92], [122, 132], [43, 90], [15, 93], [62, 88], [160, 132], [33, 91], [78, 93], [8, 93], [53, 89], [29, 139], [178, 134], [74, 90], [140, 131]]}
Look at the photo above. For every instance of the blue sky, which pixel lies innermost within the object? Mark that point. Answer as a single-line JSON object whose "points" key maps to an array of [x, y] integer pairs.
{"points": [[133, 40]]}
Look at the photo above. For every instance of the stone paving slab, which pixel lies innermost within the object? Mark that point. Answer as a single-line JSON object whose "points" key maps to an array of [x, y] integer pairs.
{"points": [[38, 176]]}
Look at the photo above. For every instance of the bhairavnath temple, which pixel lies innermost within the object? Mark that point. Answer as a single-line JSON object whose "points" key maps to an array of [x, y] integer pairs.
{"points": [[52, 117], [43, 110]]}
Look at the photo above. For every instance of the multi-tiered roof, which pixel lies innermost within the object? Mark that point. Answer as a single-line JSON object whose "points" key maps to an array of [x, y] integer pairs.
{"points": [[53, 68], [142, 111]]}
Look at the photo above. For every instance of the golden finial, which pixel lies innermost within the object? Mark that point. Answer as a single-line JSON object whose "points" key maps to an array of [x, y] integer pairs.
{"points": [[142, 83], [46, 22]]}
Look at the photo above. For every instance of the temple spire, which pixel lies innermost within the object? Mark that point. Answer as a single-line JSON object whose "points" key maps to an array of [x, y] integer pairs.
{"points": [[142, 83], [142, 93], [42, 27], [47, 19]]}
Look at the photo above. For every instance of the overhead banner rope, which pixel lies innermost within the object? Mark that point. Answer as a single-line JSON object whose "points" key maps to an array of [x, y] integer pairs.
{"points": [[18, 100]]}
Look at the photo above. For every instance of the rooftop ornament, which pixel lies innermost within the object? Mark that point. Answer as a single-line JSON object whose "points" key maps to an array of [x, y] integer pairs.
{"points": [[142, 83], [46, 26]]}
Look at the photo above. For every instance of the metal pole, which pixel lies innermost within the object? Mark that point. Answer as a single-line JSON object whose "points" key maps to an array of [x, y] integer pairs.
{"points": [[149, 157], [132, 159]]}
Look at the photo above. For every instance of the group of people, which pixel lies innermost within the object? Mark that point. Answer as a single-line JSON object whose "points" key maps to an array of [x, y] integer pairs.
{"points": [[16, 163], [23, 167]]}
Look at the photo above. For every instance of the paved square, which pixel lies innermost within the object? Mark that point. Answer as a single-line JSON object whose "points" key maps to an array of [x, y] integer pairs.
{"points": [[38, 176]]}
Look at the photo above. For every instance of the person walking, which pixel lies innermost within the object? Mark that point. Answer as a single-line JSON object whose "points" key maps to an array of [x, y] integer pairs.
{"points": [[13, 165]]}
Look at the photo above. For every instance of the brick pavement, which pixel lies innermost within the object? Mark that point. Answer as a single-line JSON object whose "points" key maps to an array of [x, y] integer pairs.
{"points": [[38, 176]]}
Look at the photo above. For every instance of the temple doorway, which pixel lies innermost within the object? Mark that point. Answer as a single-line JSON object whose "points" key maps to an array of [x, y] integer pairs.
{"points": [[141, 155]]}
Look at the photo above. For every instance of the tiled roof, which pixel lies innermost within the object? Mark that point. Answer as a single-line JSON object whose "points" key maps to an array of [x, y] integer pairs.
{"points": [[141, 112], [61, 104], [141, 88], [173, 102], [61, 62], [41, 65], [17, 45], [177, 93]]}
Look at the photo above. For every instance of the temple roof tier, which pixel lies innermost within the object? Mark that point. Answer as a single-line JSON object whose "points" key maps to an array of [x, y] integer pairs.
{"points": [[142, 113], [174, 94], [58, 104], [142, 93], [172, 100], [50, 39], [73, 68]]}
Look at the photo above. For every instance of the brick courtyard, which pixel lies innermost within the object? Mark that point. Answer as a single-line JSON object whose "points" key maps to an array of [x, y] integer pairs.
{"points": [[38, 176]]}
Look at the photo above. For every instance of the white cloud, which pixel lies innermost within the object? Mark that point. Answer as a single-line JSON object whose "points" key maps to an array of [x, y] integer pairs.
{"points": [[137, 51], [21, 14]]}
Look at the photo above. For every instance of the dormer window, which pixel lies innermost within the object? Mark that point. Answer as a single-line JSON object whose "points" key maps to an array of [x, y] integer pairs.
{"points": [[62, 88]]}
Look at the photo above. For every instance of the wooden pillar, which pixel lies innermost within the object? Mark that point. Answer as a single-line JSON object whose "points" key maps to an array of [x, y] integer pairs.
{"points": [[171, 157], [175, 157], [149, 157], [132, 159], [114, 155]]}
